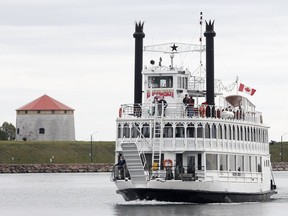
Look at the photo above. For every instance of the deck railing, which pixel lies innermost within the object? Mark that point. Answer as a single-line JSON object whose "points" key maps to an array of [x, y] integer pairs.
{"points": [[179, 110], [187, 173]]}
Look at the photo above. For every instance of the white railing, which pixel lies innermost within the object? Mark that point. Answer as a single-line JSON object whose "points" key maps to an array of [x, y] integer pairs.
{"points": [[178, 110]]}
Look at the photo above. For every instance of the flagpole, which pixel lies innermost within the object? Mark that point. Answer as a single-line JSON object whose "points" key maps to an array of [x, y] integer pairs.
{"points": [[237, 85]]}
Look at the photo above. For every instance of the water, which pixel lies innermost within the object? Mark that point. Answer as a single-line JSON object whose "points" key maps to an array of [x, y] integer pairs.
{"points": [[91, 194]]}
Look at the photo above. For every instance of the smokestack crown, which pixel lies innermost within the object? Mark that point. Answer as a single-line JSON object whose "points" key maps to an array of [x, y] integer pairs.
{"points": [[210, 29], [139, 30]]}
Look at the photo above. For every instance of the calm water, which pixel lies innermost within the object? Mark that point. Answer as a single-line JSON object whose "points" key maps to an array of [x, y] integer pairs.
{"points": [[94, 194]]}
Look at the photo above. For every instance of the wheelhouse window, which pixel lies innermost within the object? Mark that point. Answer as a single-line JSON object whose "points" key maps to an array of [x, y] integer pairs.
{"points": [[182, 82], [160, 81]]}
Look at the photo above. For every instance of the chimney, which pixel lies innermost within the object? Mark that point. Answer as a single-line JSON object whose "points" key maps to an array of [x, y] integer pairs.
{"points": [[210, 34], [138, 35]]}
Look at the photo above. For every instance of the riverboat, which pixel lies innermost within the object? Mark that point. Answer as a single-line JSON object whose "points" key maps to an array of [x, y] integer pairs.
{"points": [[177, 150]]}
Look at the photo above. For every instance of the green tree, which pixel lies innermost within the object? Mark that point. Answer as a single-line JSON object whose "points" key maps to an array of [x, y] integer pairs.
{"points": [[7, 131]]}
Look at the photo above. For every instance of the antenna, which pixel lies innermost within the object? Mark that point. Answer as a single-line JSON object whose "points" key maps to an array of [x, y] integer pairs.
{"points": [[200, 40]]}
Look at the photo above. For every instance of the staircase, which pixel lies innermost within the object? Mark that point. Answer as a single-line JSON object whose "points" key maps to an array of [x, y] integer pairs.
{"points": [[134, 163]]}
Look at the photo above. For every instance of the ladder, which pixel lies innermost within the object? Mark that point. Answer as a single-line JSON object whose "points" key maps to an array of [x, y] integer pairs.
{"points": [[157, 140]]}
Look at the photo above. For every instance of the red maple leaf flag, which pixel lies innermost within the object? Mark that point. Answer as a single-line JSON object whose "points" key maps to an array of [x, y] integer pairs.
{"points": [[246, 89]]}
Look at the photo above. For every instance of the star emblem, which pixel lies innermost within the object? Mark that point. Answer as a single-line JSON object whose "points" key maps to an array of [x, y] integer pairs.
{"points": [[174, 47]]}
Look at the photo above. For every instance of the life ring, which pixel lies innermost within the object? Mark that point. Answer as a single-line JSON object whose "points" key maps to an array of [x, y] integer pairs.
{"points": [[168, 163], [120, 112]]}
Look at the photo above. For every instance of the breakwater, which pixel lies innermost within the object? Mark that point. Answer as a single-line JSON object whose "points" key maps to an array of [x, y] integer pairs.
{"points": [[280, 166], [70, 168], [55, 168]]}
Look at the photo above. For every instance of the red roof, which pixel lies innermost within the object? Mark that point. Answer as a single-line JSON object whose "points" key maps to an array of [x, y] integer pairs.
{"points": [[45, 103]]}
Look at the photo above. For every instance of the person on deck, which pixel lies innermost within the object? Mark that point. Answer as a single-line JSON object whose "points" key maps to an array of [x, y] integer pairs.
{"points": [[162, 103]]}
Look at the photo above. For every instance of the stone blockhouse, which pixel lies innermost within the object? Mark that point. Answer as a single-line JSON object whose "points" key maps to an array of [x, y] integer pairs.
{"points": [[45, 119]]}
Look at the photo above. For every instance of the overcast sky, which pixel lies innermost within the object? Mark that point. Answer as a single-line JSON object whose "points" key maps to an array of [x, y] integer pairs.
{"points": [[82, 53]]}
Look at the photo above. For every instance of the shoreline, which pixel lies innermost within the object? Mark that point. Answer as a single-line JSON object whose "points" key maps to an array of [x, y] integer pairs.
{"points": [[55, 168], [87, 167]]}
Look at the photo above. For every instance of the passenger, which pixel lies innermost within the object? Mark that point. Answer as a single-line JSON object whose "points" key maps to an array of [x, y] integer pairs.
{"points": [[121, 166], [155, 102], [185, 102], [185, 99], [190, 107], [162, 102]]}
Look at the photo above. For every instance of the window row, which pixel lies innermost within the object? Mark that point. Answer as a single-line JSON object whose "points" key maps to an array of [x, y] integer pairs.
{"points": [[240, 163], [225, 131], [41, 131]]}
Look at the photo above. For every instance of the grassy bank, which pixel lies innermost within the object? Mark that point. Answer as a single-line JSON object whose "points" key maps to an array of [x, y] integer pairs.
{"points": [[79, 152], [56, 152], [275, 150]]}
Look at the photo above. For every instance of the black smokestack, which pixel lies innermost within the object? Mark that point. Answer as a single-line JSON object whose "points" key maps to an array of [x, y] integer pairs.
{"points": [[138, 35], [210, 34]]}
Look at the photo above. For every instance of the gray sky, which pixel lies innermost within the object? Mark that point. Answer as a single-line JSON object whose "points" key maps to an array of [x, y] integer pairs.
{"points": [[82, 53]]}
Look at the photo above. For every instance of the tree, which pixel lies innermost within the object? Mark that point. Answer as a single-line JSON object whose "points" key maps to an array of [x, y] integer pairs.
{"points": [[7, 131]]}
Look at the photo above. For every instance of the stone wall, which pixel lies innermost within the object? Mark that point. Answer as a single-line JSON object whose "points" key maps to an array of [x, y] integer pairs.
{"points": [[55, 168], [72, 168], [280, 166]]}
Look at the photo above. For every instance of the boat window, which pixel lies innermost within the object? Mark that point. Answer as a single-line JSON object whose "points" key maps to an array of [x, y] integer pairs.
{"points": [[232, 162], [207, 131], [253, 164], [247, 165], [168, 131], [220, 131], [160, 81], [119, 131], [240, 163], [211, 162], [200, 131], [241, 133], [223, 160], [126, 131], [135, 131], [233, 132], [190, 131], [225, 131], [146, 130], [214, 131], [259, 167], [230, 132], [179, 131]]}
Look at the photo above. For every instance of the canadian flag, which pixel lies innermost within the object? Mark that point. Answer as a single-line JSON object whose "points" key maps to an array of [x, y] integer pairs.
{"points": [[246, 89]]}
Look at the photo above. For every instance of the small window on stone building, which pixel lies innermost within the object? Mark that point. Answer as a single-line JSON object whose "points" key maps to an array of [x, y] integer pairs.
{"points": [[26, 111], [18, 130], [41, 131], [53, 111], [38, 111]]}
